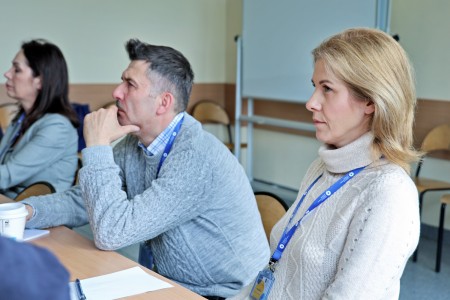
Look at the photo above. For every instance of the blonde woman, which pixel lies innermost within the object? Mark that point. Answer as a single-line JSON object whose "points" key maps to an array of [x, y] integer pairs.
{"points": [[355, 222]]}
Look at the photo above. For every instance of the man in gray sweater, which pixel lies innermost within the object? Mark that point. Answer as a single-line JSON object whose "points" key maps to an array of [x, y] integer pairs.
{"points": [[168, 182]]}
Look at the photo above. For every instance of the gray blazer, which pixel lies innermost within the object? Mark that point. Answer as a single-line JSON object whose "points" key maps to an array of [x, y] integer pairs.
{"points": [[46, 152]]}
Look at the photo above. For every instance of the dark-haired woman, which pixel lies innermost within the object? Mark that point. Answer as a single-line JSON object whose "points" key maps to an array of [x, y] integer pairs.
{"points": [[41, 142]]}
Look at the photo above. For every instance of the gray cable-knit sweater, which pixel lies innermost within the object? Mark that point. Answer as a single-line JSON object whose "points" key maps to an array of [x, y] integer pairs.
{"points": [[200, 213], [356, 244]]}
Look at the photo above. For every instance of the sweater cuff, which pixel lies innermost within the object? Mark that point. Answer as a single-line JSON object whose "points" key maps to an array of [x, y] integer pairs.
{"points": [[32, 223], [97, 155]]}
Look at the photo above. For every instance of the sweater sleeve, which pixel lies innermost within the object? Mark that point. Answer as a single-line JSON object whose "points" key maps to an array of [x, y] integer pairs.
{"points": [[169, 201], [66, 208], [46, 145], [383, 234], [31, 272]]}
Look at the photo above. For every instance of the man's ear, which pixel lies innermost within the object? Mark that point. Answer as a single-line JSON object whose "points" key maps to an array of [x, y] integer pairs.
{"points": [[166, 103]]}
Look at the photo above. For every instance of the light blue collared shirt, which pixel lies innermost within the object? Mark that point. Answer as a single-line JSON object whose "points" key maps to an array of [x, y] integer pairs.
{"points": [[158, 145]]}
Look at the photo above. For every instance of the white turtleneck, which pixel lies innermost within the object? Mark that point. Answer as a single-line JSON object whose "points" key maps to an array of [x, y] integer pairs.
{"points": [[356, 244]]}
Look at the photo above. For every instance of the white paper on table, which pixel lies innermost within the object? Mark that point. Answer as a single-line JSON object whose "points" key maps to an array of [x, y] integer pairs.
{"points": [[31, 234], [121, 284]]}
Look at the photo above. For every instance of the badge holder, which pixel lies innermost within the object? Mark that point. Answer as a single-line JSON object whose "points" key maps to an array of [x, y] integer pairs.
{"points": [[263, 283]]}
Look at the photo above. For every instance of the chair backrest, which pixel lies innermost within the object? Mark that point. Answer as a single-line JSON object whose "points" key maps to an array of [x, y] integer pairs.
{"points": [[35, 189], [7, 113], [437, 139], [272, 208], [207, 111]]}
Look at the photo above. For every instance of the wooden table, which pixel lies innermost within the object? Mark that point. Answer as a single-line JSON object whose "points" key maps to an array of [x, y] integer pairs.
{"points": [[83, 260]]}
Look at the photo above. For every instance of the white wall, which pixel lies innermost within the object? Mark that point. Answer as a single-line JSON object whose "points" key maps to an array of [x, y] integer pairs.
{"points": [[283, 158], [234, 27], [91, 34], [424, 29]]}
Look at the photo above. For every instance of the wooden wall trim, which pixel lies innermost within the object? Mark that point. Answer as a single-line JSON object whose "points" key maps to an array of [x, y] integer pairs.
{"points": [[97, 95], [430, 113]]}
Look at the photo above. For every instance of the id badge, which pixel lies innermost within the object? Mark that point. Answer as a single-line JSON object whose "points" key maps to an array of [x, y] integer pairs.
{"points": [[263, 285]]}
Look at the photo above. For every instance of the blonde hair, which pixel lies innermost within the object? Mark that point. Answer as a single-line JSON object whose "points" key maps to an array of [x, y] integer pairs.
{"points": [[376, 68]]}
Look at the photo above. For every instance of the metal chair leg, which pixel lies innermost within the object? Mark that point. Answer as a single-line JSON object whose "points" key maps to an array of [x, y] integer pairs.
{"points": [[440, 238], [414, 256]]}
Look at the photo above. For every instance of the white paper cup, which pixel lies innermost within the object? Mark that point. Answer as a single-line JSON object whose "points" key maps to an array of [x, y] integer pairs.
{"points": [[12, 220]]}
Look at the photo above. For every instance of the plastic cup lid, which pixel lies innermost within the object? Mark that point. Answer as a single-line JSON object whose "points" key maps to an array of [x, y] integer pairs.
{"points": [[13, 210]]}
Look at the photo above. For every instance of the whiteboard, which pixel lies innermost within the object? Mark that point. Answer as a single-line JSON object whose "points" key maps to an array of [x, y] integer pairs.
{"points": [[279, 35]]}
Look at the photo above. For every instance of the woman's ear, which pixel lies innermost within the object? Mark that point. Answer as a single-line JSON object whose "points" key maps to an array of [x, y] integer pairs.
{"points": [[37, 81], [370, 107]]}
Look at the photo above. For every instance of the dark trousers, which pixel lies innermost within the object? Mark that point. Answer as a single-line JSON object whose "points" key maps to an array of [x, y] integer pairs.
{"points": [[145, 255], [214, 298]]}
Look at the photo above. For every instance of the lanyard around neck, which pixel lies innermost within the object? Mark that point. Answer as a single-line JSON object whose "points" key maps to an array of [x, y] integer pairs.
{"points": [[288, 233], [168, 147]]}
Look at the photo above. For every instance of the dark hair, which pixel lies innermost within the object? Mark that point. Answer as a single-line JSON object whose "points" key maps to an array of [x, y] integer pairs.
{"points": [[47, 61], [168, 69]]}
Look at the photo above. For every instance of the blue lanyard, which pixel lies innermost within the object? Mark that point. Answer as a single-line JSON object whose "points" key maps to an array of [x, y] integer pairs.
{"points": [[169, 144], [287, 234], [15, 136]]}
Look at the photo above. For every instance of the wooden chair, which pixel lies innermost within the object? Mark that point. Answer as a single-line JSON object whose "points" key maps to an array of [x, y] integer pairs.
{"points": [[207, 111], [35, 189], [438, 139], [7, 113], [445, 199], [272, 208]]}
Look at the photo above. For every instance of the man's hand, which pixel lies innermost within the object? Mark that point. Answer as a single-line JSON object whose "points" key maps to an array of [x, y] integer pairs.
{"points": [[102, 128], [30, 211]]}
